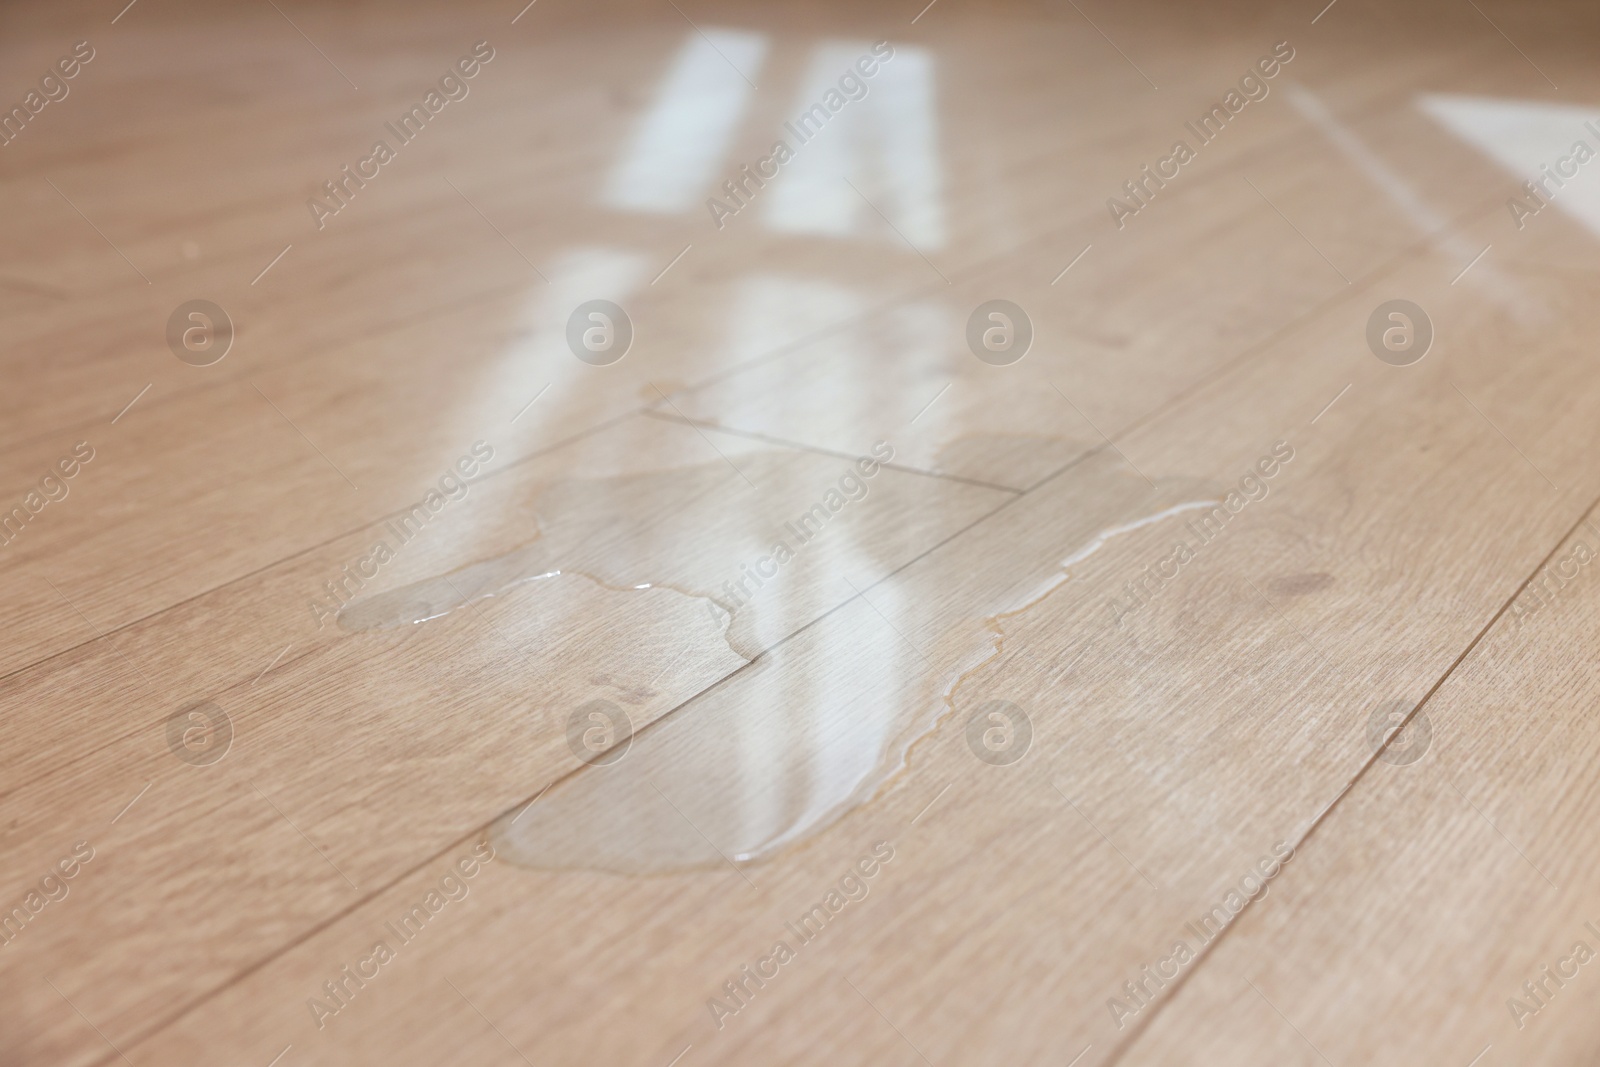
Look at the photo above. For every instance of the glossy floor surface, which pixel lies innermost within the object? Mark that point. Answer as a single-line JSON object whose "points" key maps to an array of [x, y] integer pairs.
{"points": [[528, 539]]}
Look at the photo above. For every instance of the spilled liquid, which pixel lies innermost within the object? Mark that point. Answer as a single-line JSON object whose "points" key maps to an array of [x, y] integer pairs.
{"points": [[814, 726], [686, 530]]}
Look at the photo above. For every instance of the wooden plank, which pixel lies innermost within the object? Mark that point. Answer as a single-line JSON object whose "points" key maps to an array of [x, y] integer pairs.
{"points": [[1220, 718], [1374, 519], [1455, 870], [624, 621]]}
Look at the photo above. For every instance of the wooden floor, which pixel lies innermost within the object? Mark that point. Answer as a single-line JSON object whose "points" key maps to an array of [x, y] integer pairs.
{"points": [[813, 685]]}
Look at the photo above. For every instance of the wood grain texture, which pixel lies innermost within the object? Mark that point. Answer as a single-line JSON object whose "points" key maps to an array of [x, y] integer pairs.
{"points": [[1189, 548]]}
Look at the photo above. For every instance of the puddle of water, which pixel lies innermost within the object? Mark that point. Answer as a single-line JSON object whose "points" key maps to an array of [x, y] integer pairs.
{"points": [[810, 730], [633, 532]]}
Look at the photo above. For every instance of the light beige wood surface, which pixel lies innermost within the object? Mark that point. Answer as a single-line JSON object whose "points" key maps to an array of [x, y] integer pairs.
{"points": [[782, 733]]}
